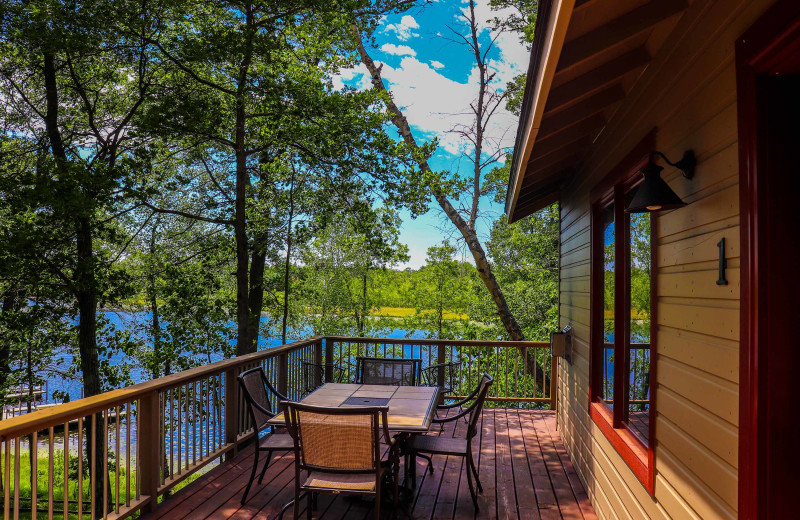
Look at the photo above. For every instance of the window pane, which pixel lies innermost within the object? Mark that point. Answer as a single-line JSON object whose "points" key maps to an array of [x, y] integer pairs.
{"points": [[609, 235], [638, 366]]}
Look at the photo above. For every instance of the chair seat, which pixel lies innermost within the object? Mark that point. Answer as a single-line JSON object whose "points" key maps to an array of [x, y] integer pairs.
{"points": [[358, 482], [437, 445], [276, 441]]}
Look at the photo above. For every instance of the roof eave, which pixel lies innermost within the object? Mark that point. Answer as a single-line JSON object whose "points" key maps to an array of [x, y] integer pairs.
{"points": [[552, 20]]}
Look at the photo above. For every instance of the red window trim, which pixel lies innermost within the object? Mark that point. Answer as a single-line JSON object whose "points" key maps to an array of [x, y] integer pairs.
{"points": [[764, 48], [639, 457]]}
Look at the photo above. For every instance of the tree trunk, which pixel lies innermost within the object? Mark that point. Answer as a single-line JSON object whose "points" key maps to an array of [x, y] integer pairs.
{"points": [[256, 295], [287, 281], [467, 232], [288, 263], [87, 347], [152, 296], [244, 344], [85, 287]]}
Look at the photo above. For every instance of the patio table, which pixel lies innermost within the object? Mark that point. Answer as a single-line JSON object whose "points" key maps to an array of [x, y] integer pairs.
{"points": [[411, 408]]}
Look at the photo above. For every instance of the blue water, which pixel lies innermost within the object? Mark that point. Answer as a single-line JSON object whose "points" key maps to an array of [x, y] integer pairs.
{"points": [[126, 321]]}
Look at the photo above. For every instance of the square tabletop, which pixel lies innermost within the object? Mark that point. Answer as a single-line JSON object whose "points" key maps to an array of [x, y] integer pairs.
{"points": [[411, 408]]}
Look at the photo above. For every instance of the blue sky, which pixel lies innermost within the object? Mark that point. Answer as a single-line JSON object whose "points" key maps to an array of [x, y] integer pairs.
{"points": [[433, 79]]}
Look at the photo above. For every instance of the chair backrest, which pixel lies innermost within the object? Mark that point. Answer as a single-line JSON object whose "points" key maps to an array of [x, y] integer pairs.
{"points": [[450, 369], [313, 376], [382, 371], [339, 440], [477, 406], [254, 387]]}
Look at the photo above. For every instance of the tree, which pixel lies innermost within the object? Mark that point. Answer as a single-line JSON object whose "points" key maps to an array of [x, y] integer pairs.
{"points": [[59, 65], [250, 81], [440, 291], [337, 264], [483, 156], [525, 256]]}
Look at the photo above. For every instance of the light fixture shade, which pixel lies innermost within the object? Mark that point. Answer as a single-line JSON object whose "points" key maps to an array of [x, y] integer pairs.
{"points": [[653, 193]]}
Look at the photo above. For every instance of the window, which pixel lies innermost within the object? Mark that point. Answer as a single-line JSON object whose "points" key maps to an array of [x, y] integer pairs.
{"points": [[622, 325]]}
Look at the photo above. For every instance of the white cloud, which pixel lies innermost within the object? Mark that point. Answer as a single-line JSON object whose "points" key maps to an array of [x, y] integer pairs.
{"points": [[404, 29], [398, 50], [436, 104]]}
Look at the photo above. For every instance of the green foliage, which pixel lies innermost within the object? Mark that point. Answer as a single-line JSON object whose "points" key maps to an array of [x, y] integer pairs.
{"points": [[525, 258]]}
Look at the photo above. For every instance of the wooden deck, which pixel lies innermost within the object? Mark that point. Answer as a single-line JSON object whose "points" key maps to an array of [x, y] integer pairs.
{"points": [[524, 468]]}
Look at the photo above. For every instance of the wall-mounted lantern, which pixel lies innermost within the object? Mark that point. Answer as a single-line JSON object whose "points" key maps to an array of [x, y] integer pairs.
{"points": [[561, 344], [654, 194]]}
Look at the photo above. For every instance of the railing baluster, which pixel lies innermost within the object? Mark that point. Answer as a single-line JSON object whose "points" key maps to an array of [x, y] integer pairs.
{"points": [[66, 469], [17, 456], [194, 422], [7, 480], [35, 470], [93, 465], [117, 455], [105, 463], [186, 421], [128, 450], [179, 447], [50, 479], [80, 469]]}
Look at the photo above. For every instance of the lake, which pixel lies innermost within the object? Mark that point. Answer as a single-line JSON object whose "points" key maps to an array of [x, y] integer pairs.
{"points": [[124, 321]]}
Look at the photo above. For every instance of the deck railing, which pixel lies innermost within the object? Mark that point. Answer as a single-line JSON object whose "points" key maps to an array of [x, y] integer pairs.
{"points": [[114, 454], [521, 369]]}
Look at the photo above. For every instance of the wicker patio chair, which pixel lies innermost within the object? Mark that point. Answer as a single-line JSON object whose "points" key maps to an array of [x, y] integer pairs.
{"points": [[254, 386], [340, 450], [440, 445], [392, 372]]}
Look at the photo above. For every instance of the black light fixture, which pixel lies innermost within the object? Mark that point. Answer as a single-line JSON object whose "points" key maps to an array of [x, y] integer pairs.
{"points": [[653, 193]]}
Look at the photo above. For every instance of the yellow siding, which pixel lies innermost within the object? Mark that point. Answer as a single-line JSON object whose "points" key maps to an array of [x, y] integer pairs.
{"points": [[689, 94]]}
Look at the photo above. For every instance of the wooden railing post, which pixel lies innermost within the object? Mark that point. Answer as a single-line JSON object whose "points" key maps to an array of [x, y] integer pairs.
{"points": [[318, 361], [231, 411], [553, 383], [283, 373], [328, 360], [148, 443]]}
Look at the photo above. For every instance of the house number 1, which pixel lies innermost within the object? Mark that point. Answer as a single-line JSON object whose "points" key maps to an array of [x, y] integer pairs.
{"points": [[722, 263]]}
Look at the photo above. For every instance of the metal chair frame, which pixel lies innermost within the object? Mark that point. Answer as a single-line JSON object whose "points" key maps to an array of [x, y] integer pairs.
{"points": [[275, 441], [474, 412]]}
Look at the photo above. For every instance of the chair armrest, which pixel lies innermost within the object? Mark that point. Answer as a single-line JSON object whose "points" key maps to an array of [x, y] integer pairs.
{"points": [[470, 397], [465, 411]]}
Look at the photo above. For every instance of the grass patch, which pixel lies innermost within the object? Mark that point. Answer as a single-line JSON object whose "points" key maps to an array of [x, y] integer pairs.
{"points": [[42, 492], [404, 312]]}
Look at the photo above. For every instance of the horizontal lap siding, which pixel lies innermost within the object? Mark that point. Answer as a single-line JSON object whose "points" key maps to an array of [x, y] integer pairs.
{"points": [[689, 94]]}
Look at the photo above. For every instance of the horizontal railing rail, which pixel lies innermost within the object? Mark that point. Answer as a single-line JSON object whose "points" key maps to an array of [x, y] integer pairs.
{"points": [[114, 454]]}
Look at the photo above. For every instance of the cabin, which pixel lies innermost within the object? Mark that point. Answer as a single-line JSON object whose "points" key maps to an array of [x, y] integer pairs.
{"points": [[664, 130]]}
